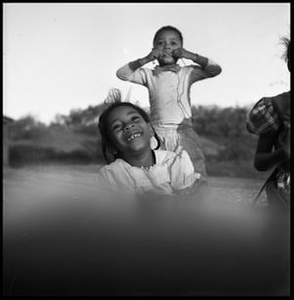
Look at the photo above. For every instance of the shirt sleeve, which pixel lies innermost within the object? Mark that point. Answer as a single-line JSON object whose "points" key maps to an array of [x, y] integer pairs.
{"points": [[182, 172], [263, 118], [127, 74], [105, 180], [212, 69]]}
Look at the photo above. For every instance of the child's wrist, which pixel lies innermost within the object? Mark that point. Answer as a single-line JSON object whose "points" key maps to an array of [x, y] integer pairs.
{"points": [[136, 64], [201, 60], [190, 55], [144, 60], [195, 57]]}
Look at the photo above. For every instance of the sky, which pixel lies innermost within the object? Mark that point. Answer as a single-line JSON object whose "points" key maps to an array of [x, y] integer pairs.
{"points": [[63, 56]]}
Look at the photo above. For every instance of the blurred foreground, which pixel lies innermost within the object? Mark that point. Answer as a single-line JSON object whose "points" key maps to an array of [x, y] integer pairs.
{"points": [[63, 236]]}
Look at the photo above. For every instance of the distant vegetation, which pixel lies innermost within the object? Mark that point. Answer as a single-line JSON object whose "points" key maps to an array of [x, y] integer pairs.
{"points": [[228, 147]]}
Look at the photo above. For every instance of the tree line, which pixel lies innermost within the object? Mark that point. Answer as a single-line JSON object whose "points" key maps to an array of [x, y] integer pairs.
{"points": [[75, 137]]}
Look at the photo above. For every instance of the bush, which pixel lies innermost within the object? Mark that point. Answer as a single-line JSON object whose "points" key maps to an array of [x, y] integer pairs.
{"points": [[28, 154], [27, 128], [21, 155]]}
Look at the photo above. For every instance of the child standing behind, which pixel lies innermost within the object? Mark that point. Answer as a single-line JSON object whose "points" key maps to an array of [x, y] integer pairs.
{"points": [[169, 91]]}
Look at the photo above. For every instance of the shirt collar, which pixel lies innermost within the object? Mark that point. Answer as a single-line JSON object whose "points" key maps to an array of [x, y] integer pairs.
{"points": [[173, 68]]}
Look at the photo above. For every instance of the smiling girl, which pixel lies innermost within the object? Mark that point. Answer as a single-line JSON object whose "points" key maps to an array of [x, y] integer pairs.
{"points": [[133, 166]]}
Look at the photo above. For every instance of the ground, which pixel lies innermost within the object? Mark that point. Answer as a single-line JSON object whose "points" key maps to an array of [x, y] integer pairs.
{"points": [[241, 190], [61, 237]]}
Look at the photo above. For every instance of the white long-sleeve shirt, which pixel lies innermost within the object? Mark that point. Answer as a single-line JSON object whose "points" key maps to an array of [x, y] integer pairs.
{"points": [[169, 92], [172, 172]]}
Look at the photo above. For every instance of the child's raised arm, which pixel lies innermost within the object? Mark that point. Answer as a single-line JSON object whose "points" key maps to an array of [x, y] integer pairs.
{"points": [[153, 55], [206, 64], [183, 53], [127, 70]]}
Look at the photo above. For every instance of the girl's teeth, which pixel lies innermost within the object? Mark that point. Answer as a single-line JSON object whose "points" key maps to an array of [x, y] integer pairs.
{"points": [[133, 136]]}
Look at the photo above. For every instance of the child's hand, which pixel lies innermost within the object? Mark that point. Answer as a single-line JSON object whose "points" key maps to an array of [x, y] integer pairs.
{"points": [[155, 54], [181, 53]]}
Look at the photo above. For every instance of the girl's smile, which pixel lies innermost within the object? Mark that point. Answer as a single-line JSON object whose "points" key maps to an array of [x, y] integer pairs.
{"points": [[133, 136]]}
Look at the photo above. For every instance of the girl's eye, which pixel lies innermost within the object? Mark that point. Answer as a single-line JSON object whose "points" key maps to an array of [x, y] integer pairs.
{"points": [[116, 127], [136, 118]]}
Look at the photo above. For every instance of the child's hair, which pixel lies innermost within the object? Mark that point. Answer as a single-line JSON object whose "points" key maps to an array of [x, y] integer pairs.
{"points": [[102, 126], [286, 55], [165, 28]]}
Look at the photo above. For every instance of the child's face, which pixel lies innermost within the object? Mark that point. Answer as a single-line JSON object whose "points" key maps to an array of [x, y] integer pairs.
{"points": [[128, 131], [167, 41]]}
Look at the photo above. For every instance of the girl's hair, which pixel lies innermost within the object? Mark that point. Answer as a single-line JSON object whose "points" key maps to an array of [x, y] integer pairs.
{"points": [[286, 55], [286, 42], [102, 126], [165, 28]]}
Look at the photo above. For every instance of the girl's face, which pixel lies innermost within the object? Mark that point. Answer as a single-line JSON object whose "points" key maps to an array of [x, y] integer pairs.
{"points": [[168, 41], [128, 131]]}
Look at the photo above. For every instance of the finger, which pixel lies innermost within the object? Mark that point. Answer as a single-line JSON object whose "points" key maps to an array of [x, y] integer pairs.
{"points": [[176, 53], [161, 53]]}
